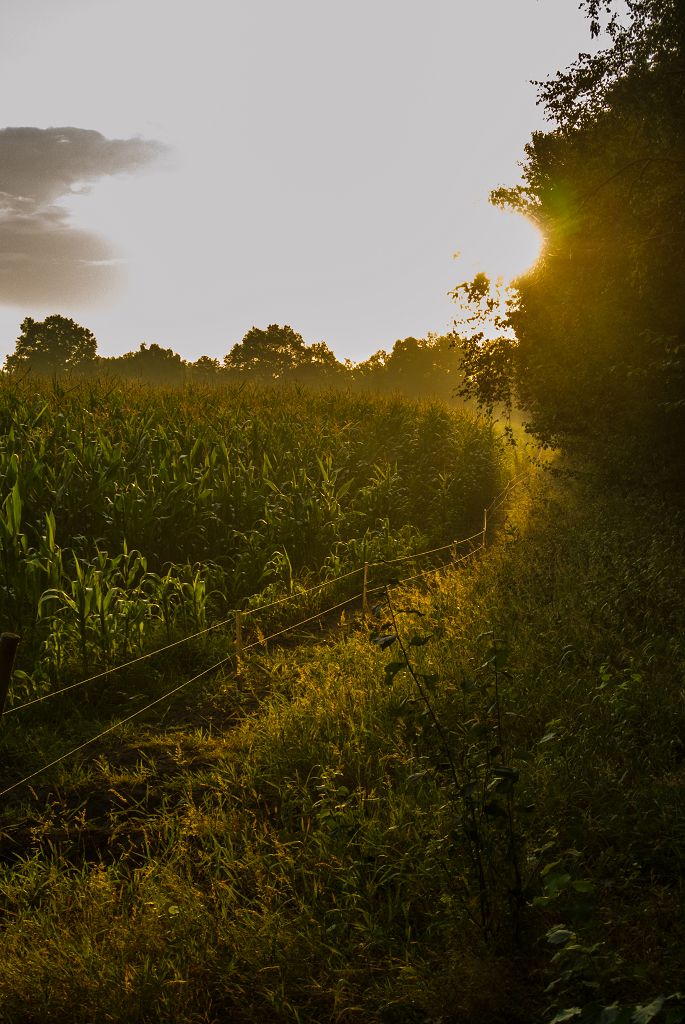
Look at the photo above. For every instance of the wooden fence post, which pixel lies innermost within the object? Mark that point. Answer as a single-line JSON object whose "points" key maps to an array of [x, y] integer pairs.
{"points": [[8, 648], [238, 642], [365, 600]]}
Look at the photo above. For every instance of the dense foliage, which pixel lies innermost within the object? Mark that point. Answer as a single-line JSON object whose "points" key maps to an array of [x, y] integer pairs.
{"points": [[127, 510], [599, 360], [54, 345], [276, 355], [293, 846]]}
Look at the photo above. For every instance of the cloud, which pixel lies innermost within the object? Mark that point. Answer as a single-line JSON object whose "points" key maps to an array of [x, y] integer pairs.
{"points": [[43, 258]]}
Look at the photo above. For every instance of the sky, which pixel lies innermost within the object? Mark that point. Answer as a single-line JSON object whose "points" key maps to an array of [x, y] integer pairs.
{"points": [[177, 172]]}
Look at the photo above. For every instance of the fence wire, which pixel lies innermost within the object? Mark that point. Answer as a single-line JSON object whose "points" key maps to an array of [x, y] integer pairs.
{"points": [[302, 622], [111, 728], [302, 593], [263, 640]]}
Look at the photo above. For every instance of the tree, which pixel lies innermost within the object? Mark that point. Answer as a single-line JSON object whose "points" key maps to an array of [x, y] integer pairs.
{"points": [[205, 370], [318, 367], [152, 364], [598, 358], [416, 367], [280, 354], [423, 367], [52, 346], [267, 354]]}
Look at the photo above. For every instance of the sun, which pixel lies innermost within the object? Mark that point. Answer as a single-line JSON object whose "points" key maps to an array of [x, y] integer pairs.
{"points": [[505, 245]]}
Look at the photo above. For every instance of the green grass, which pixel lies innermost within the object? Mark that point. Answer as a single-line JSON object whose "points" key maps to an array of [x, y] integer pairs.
{"points": [[293, 846]]}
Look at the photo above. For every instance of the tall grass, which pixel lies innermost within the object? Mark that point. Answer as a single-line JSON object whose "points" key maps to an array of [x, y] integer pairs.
{"points": [[130, 515], [307, 855]]}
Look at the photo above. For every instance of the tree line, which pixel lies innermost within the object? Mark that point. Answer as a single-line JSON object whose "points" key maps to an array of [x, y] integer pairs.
{"points": [[590, 344], [275, 355]]}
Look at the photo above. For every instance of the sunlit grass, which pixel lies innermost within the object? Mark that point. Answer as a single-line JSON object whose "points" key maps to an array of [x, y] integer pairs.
{"points": [[307, 860]]}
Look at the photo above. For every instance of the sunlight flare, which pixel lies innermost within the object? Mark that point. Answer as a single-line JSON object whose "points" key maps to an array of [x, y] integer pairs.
{"points": [[508, 245]]}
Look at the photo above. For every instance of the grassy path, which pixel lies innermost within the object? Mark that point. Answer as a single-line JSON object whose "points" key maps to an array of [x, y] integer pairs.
{"points": [[293, 846]]}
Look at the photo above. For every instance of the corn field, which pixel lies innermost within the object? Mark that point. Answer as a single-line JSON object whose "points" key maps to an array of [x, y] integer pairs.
{"points": [[130, 515]]}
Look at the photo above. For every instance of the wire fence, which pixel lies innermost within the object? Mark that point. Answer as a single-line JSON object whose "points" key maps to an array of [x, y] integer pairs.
{"points": [[118, 668], [243, 613], [303, 622], [112, 728], [302, 593], [236, 618]]}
